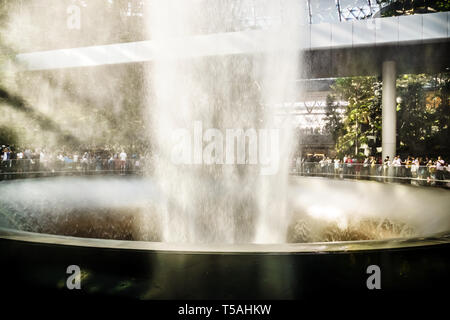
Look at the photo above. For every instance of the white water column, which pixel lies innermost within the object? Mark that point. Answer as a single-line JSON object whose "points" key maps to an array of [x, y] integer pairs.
{"points": [[389, 110]]}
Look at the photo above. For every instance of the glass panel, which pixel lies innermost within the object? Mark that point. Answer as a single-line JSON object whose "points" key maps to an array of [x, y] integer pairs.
{"points": [[387, 30], [324, 11], [364, 31], [435, 25], [410, 28], [321, 35]]}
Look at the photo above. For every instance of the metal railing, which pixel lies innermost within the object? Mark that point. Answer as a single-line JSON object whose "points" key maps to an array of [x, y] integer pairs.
{"points": [[412, 174], [34, 168]]}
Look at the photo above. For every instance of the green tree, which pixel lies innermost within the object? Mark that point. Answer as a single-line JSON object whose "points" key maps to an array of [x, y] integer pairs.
{"points": [[414, 122], [441, 141], [408, 7], [333, 118], [423, 114], [362, 118]]}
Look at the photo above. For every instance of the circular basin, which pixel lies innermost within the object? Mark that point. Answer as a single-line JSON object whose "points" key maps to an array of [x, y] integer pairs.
{"points": [[111, 228]]}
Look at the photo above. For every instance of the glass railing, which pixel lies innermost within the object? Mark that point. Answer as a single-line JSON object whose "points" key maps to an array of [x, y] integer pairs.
{"points": [[425, 175]]}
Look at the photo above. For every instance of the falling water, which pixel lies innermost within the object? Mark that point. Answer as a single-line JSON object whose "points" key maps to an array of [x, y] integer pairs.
{"points": [[190, 86], [226, 203]]}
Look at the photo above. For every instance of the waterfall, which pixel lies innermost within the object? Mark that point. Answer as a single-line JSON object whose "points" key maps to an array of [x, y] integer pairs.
{"points": [[220, 151]]}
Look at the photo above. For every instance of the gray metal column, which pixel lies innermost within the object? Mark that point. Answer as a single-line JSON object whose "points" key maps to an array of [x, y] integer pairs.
{"points": [[389, 110]]}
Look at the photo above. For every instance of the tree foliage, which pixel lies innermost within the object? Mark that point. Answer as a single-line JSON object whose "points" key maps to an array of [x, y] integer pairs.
{"points": [[423, 114], [362, 118], [333, 118], [408, 7]]}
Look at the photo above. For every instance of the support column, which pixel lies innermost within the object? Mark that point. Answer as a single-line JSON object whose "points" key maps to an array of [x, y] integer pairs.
{"points": [[389, 110]]}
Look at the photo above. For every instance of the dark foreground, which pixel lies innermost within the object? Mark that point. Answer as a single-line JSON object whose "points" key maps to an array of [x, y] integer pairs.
{"points": [[40, 270]]}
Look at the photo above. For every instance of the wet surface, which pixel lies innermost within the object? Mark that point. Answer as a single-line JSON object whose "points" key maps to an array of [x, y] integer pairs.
{"points": [[127, 209]]}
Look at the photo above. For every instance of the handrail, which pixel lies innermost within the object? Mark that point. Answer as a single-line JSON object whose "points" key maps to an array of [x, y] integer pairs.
{"points": [[380, 172]]}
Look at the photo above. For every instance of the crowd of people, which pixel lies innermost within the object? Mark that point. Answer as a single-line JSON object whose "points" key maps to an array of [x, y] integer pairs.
{"points": [[20, 161], [418, 168], [16, 162]]}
